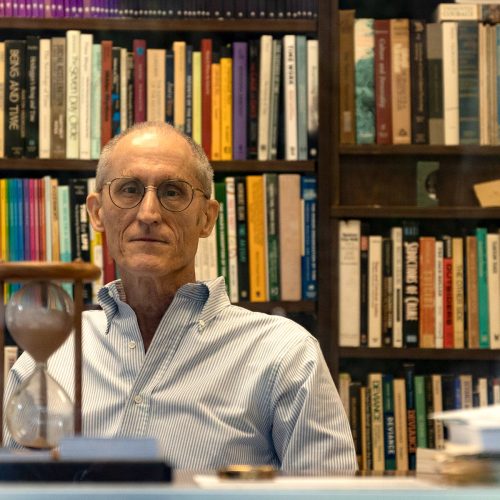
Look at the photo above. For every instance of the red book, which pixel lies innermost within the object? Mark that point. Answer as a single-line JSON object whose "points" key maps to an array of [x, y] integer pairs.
{"points": [[41, 219], [206, 96], [106, 88], [447, 294], [139, 49], [383, 81], [34, 192], [30, 194], [108, 270]]}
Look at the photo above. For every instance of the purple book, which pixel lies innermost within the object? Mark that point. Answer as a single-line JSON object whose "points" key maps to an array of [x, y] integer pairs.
{"points": [[240, 91], [15, 8], [21, 8], [2, 8], [34, 8], [47, 8], [8, 8]]}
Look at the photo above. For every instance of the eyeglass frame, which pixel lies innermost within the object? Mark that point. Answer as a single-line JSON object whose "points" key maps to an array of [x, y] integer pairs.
{"points": [[146, 188]]}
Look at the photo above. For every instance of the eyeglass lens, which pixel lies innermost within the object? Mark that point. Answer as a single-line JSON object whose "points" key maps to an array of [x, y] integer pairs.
{"points": [[173, 195]]}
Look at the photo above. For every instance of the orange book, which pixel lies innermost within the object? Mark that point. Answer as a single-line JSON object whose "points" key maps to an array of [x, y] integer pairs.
{"points": [[256, 224], [458, 292], [427, 270], [106, 86], [216, 107]]}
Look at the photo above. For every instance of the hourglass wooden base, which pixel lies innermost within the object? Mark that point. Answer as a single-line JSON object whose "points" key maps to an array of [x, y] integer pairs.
{"points": [[76, 272]]}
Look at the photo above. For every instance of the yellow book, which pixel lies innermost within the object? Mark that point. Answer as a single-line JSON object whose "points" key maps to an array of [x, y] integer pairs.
{"points": [[197, 96], [4, 219], [457, 285], [226, 93], [179, 49], [216, 140], [256, 224]]}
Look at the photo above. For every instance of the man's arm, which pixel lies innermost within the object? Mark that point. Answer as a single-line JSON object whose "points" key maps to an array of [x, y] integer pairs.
{"points": [[311, 431]]}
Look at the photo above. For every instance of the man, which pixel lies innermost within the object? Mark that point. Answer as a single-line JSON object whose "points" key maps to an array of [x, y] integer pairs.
{"points": [[170, 357]]}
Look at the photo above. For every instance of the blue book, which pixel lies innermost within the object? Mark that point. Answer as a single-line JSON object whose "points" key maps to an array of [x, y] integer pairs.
{"points": [[301, 57], [468, 81], [309, 195], [389, 423], [482, 288], [169, 86]]}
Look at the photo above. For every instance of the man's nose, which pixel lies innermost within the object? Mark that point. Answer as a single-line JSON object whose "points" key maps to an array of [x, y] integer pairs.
{"points": [[150, 207]]}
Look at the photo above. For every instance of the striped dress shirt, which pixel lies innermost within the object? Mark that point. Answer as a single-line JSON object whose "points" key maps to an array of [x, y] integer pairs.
{"points": [[218, 385]]}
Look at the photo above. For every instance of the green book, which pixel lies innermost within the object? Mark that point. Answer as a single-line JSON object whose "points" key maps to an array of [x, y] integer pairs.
{"points": [[273, 271], [222, 257], [421, 411], [482, 288]]}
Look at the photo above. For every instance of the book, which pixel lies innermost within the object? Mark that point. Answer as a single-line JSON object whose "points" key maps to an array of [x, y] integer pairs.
{"points": [[482, 287], [188, 129], [383, 80], [197, 114], [349, 282], [387, 291], [264, 96], [226, 103], [347, 115], [377, 420], [397, 283], [253, 98], [32, 95], [240, 98], [95, 99], [140, 105], [438, 294], [450, 83], [400, 424], [274, 102], [389, 422], [364, 42], [290, 97], [427, 270], [434, 65], [312, 97], [85, 95], [216, 107], [301, 91], [418, 87], [309, 194], [271, 209], [448, 337], [155, 84], [375, 291], [472, 292], [242, 245], [290, 236], [411, 416], [179, 50], [232, 240], [493, 284], [354, 414], [72, 94], [206, 96], [221, 233], [420, 410], [106, 90], [363, 287], [410, 283], [458, 292]]}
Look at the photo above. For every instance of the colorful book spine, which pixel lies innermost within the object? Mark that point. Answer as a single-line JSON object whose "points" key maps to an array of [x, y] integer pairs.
{"points": [[189, 91], [240, 97], [206, 96], [418, 76], [383, 80], [301, 79], [482, 287], [309, 195], [72, 94], [241, 219], [410, 283], [139, 50], [45, 109], [226, 104]]}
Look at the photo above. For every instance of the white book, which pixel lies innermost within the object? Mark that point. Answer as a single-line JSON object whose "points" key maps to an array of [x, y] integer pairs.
{"points": [[179, 49], [290, 97], [2, 97], [72, 94], [482, 391], [95, 131], [375, 291], [437, 402], [349, 283], [197, 96], [438, 289], [86, 41], [454, 12], [274, 99], [450, 83], [312, 96], [264, 111], [123, 89], [206, 256], [232, 238], [47, 187], [155, 87], [397, 286], [45, 112], [493, 279]]}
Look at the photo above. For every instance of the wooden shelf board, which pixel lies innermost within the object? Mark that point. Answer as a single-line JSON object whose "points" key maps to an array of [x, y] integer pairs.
{"points": [[376, 212], [418, 149], [418, 353], [168, 25]]}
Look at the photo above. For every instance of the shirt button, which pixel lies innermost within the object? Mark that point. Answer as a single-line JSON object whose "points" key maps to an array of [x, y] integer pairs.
{"points": [[131, 344], [201, 325], [138, 399]]}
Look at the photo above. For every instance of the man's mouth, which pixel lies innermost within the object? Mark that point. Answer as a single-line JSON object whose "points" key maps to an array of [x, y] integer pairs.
{"points": [[147, 239]]}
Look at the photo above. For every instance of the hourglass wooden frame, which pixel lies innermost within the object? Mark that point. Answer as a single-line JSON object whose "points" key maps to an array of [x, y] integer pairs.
{"points": [[76, 272]]}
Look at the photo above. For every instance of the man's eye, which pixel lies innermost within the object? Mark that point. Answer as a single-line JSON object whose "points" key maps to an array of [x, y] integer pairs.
{"points": [[171, 192], [130, 189]]}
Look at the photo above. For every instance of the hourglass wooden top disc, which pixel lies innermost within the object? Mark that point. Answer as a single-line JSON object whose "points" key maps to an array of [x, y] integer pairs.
{"points": [[28, 270]]}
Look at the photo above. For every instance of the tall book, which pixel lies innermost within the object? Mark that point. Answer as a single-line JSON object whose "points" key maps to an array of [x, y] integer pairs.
{"points": [[221, 233], [437, 399], [290, 96], [420, 410], [155, 86], [383, 80], [264, 110], [482, 287], [312, 97], [389, 422], [15, 98], [197, 137], [387, 290], [375, 291], [179, 49], [95, 129], [206, 96], [226, 105], [438, 294], [240, 97], [216, 107], [448, 340], [364, 42], [256, 238], [188, 129], [85, 93], [458, 293], [241, 220], [400, 81], [410, 283], [427, 271], [377, 420], [72, 94], [290, 236], [274, 102], [493, 283], [418, 77], [2, 99], [301, 79], [401, 427], [472, 292], [139, 50], [169, 87], [309, 194], [397, 283], [253, 98], [347, 123], [349, 282], [272, 234], [32, 95], [450, 83], [106, 90], [363, 286], [232, 238], [434, 61], [123, 84]]}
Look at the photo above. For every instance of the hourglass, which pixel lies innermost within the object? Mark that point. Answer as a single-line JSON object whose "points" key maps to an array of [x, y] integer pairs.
{"points": [[40, 316]]}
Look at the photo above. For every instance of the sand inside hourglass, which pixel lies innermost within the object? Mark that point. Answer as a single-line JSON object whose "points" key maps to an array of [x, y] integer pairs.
{"points": [[41, 331]]}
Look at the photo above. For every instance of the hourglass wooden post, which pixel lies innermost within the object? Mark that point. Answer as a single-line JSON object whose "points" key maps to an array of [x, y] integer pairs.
{"points": [[44, 273]]}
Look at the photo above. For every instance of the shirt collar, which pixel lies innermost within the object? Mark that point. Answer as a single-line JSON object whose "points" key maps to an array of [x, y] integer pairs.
{"points": [[213, 293]]}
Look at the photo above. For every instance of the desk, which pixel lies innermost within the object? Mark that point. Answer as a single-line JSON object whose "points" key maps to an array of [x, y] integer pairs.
{"points": [[184, 488]]}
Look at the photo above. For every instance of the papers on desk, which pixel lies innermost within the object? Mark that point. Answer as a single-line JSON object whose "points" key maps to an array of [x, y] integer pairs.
{"points": [[212, 482]]}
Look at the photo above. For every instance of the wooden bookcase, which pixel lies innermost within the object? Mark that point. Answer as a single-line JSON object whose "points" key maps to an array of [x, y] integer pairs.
{"points": [[376, 183]]}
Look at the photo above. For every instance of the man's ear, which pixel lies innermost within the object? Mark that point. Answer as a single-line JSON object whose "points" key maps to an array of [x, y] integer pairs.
{"points": [[94, 210], [211, 212]]}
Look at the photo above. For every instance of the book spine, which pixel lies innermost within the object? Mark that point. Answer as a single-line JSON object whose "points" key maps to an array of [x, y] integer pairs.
{"points": [[457, 12], [264, 96], [437, 401], [216, 106], [435, 83], [420, 411], [450, 83], [429, 408], [272, 219], [349, 282], [400, 418], [274, 102], [375, 291], [106, 90], [389, 423], [232, 238], [95, 129], [366, 436], [241, 218], [493, 283], [383, 93], [206, 96], [290, 97], [155, 64], [32, 95], [397, 294], [377, 421], [139, 50], [301, 79], [189, 90], [115, 91], [309, 196], [226, 111], [347, 116], [72, 94], [240, 97], [179, 49], [438, 295], [2, 99], [427, 268], [253, 98], [418, 49], [472, 293], [363, 287], [197, 137], [355, 417], [448, 340], [364, 44], [458, 292], [65, 249], [410, 283], [123, 89], [85, 93], [482, 286], [169, 87], [387, 290]]}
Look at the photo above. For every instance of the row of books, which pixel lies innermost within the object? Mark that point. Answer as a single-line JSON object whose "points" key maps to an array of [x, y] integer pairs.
{"points": [[265, 239], [266, 223], [215, 9], [413, 290], [390, 415], [411, 82], [65, 97]]}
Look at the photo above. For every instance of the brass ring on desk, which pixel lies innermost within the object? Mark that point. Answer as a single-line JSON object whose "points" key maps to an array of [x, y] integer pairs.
{"points": [[247, 472]]}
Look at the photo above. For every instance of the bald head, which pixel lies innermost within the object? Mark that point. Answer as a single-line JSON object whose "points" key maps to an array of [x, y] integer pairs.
{"points": [[202, 169]]}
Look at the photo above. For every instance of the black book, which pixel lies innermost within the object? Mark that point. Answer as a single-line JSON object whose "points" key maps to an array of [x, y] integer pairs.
{"points": [[355, 417], [429, 403], [363, 286], [411, 415], [242, 238], [169, 87], [115, 91], [253, 99], [410, 283], [32, 90], [419, 118], [130, 88], [15, 98], [387, 292]]}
